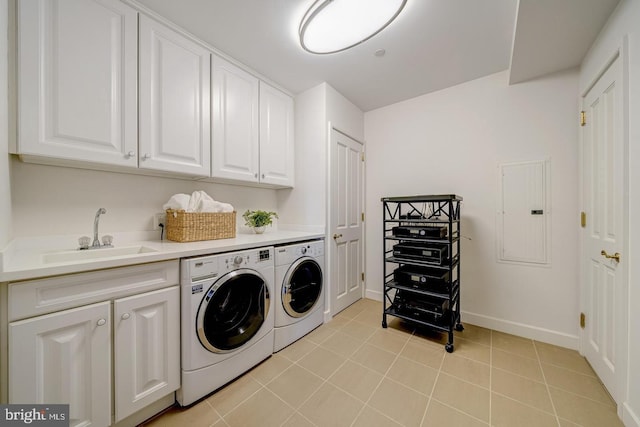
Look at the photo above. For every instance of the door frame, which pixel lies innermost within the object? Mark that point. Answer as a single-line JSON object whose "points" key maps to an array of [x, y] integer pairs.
{"points": [[328, 237], [622, 296]]}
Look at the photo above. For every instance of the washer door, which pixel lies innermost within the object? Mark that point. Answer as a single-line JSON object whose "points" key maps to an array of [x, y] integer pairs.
{"points": [[302, 287], [233, 310]]}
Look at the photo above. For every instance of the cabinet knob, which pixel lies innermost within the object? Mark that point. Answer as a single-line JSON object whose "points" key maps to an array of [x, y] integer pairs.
{"points": [[102, 322], [146, 156], [255, 176], [262, 176], [125, 316], [130, 154]]}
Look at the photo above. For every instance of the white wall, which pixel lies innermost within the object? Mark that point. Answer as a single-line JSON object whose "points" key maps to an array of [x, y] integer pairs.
{"points": [[5, 189], [451, 142], [51, 200], [625, 21], [304, 207], [344, 115]]}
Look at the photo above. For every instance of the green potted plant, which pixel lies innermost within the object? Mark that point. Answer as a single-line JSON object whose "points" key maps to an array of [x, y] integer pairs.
{"points": [[258, 219]]}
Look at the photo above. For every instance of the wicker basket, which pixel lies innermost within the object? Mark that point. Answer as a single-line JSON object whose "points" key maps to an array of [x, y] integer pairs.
{"points": [[194, 226]]}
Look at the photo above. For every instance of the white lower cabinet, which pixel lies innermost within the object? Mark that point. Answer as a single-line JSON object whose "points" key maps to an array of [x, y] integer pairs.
{"points": [[146, 349], [107, 360], [64, 358]]}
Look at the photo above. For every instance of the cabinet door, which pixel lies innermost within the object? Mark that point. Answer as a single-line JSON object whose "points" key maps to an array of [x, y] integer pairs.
{"points": [[65, 358], [175, 80], [147, 349], [276, 137], [235, 151], [77, 66]]}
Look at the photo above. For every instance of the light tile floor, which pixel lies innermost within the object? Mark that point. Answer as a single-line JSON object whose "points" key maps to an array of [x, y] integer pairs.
{"points": [[351, 372]]}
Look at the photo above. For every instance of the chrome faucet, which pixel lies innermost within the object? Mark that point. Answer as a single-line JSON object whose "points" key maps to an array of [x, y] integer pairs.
{"points": [[96, 221], [107, 241]]}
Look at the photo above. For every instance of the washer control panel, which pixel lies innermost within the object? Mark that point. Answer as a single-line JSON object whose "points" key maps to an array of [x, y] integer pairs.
{"points": [[288, 254], [209, 267]]}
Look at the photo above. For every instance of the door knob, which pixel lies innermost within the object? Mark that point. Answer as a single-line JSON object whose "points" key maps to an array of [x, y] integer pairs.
{"points": [[615, 256], [337, 236]]}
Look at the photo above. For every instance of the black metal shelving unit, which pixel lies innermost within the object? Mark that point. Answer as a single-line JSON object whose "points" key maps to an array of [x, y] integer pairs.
{"points": [[422, 261]]}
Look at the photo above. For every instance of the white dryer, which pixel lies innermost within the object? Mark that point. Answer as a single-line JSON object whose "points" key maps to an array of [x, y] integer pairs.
{"points": [[227, 318], [299, 295]]}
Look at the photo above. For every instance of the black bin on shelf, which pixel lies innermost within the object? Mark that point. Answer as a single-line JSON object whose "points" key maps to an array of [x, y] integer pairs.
{"points": [[431, 253], [423, 307], [425, 278], [420, 231]]}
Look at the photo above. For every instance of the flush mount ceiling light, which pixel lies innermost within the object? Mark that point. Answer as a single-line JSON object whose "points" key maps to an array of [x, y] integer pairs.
{"points": [[331, 26]]}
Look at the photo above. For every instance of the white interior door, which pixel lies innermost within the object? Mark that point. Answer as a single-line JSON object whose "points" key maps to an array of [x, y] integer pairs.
{"points": [[602, 287], [346, 221]]}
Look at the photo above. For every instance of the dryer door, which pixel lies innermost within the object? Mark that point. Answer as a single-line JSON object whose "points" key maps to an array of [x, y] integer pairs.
{"points": [[302, 287], [233, 310]]}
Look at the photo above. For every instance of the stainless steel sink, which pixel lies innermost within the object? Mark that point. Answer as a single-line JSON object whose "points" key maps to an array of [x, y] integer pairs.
{"points": [[94, 254]]}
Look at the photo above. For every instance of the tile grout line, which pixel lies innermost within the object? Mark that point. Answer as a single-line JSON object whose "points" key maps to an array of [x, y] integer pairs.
{"points": [[506, 396], [546, 384], [326, 380], [573, 393], [433, 387], [381, 380], [490, 376], [453, 408]]}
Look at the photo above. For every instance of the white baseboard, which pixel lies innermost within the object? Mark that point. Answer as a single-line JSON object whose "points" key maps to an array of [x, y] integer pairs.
{"points": [[509, 327], [374, 295], [629, 417], [327, 316], [532, 332]]}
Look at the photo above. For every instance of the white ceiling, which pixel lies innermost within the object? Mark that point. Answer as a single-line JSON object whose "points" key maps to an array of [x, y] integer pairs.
{"points": [[554, 35], [432, 45]]}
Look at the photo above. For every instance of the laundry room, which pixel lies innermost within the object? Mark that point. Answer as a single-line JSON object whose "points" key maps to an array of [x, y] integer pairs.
{"points": [[209, 217]]}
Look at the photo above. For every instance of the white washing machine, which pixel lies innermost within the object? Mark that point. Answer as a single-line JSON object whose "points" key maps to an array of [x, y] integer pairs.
{"points": [[299, 295], [227, 318]]}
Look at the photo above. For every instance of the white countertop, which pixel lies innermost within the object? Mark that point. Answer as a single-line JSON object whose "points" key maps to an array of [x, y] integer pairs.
{"points": [[24, 258]]}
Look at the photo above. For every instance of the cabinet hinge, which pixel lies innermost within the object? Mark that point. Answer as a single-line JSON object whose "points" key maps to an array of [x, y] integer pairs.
{"points": [[362, 216], [362, 156], [362, 276], [583, 219], [583, 118], [582, 320]]}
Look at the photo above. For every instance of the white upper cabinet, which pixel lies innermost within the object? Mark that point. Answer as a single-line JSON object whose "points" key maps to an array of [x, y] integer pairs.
{"points": [[77, 67], [235, 151], [276, 137], [103, 86], [252, 128], [175, 76]]}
